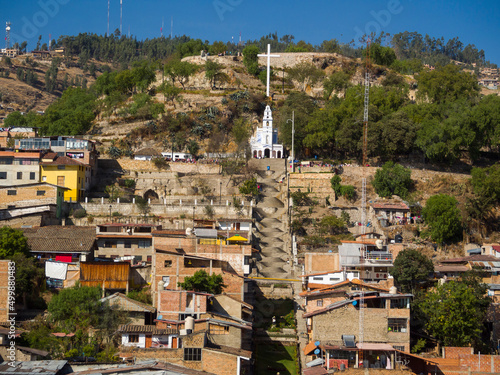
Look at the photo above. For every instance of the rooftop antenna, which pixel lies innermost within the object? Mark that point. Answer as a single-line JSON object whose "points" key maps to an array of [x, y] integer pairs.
{"points": [[7, 35], [108, 19], [171, 27], [240, 39], [50, 40], [128, 31], [121, 13]]}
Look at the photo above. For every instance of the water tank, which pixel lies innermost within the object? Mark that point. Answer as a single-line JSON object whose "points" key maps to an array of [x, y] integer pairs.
{"points": [[189, 325], [189, 231], [160, 285], [393, 290], [379, 244], [398, 238]]}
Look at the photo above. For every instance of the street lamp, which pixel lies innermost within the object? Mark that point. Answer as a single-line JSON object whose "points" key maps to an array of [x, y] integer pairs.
{"points": [[293, 136], [110, 207], [194, 207], [220, 192]]}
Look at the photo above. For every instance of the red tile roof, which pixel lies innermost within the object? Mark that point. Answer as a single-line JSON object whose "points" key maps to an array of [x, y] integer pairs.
{"points": [[390, 206], [62, 160]]}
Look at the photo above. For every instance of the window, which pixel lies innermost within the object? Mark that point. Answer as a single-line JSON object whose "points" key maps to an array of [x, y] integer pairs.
{"points": [[61, 167], [60, 180], [11, 192], [396, 325], [149, 258], [334, 279], [137, 258], [19, 175], [168, 263], [133, 338], [320, 278], [218, 330], [40, 192], [32, 175], [399, 303], [401, 348], [319, 303], [110, 244], [144, 244], [3, 175], [192, 354], [128, 244]]}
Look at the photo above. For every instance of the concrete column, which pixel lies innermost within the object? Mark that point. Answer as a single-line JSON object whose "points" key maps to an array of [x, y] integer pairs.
{"points": [[180, 202], [118, 200], [86, 199], [165, 201], [227, 203], [196, 202], [133, 200], [70, 199], [251, 203], [102, 200], [149, 200], [211, 202]]}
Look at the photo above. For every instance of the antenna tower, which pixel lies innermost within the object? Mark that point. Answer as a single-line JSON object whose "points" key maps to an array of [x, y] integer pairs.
{"points": [[108, 19], [171, 27], [121, 13], [363, 194], [50, 40], [7, 35], [162, 22]]}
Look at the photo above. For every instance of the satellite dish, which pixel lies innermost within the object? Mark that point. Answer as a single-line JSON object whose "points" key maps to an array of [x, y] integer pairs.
{"points": [[189, 231], [317, 343], [354, 303], [316, 351], [7, 28]]}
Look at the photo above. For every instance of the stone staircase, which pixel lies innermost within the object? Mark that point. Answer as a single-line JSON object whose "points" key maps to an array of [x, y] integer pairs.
{"points": [[271, 226]]}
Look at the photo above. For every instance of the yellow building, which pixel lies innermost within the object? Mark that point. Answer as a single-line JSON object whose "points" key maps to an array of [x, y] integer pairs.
{"points": [[64, 171]]}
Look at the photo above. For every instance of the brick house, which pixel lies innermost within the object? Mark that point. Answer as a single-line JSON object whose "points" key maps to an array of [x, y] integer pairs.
{"points": [[320, 262], [391, 213], [323, 279], [116, 240], [386, 323], [19, 167], [32, 195], [138, 313], [148, 336]]}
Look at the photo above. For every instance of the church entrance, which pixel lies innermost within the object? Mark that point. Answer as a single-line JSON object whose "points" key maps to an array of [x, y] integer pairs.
{"points": [[255, 154], [267, 153], [279, 154]]}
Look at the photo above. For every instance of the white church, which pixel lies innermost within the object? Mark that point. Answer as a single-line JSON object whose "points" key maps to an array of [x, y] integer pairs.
{"points": [[264, 143]]}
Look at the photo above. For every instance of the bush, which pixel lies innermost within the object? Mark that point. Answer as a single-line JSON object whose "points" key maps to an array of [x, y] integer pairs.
{"points": [[348, 192], [129, 183], [392, 179], [160, 163], [116, 214], [78, 214]]}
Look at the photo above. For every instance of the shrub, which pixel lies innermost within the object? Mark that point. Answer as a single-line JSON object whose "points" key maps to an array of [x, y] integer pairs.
{"points": [[129, 183], [160, 163], [392, 179], [79, 213]]}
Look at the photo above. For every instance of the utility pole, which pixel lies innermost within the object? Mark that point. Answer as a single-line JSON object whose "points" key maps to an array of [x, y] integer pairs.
{"points": [[293, 136]]}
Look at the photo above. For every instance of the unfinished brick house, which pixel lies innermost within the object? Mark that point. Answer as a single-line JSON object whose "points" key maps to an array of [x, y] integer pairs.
{"points": [[333, 319]]}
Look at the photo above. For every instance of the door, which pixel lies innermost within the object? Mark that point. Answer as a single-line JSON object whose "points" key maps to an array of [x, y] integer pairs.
{"points": [[174, 342], [148, 341]]}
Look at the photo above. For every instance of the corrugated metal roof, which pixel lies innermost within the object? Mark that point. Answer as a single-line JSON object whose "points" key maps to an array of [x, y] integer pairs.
{"points": [[205, 233]]}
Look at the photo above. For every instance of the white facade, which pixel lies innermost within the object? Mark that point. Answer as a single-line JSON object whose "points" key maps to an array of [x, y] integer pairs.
{"points": [[265, 141]]}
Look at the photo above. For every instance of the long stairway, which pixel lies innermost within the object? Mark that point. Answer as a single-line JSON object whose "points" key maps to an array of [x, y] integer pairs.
{"points": [[271, 226]]}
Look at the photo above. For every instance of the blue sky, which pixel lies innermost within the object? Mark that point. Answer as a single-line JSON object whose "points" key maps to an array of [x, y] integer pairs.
{"points": [[476, 22]]}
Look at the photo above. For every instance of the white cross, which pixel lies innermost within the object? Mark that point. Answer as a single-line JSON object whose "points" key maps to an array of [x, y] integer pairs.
{"points": [[268, 65]]}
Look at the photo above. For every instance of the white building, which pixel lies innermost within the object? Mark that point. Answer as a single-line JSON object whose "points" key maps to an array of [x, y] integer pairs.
{"points": [[265, 141]]}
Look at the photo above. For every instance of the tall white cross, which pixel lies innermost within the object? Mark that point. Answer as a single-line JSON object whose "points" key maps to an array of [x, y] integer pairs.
{"points": [[268, 65]]}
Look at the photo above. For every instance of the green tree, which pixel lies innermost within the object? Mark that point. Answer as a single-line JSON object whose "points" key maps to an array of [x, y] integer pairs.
{"points": [[338, 81], [332, 225], [12, 241], [446, 83], [392, 179], [180, 71], [443, 218], [193, 148], [249, 188], [170, 92], [305, 74], [75, 308], [29, 278], [201, 281], [213, 72], [251, 60], [455, 313], [410, 268]]}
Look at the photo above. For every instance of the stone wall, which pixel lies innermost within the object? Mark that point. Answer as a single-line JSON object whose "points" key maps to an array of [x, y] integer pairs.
{"points": [[165, 210], [132, 165], [318, 184]]}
